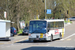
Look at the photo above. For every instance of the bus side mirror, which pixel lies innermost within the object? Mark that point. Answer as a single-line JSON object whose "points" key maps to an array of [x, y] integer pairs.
{"points": [[48, 30]]}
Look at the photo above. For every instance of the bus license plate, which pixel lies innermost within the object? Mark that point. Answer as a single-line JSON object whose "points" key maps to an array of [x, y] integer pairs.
{"points": [[41, 35], [37, 38]]}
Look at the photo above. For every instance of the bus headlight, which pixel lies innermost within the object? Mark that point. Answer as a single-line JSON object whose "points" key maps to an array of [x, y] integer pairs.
{"points": [[29, 34], [44, 34]]}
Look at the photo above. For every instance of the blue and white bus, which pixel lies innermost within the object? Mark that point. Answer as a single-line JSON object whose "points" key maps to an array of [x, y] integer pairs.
{"points": [[46, 29]]}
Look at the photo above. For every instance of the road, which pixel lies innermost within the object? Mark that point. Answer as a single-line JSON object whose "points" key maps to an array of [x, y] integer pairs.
{"points": [[22, 43]]}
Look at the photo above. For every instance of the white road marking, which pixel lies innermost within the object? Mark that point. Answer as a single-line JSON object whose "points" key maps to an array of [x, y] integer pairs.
{"points": [[68, 36], [21, 40], [67, 47], [47, 45], [68, 39]]}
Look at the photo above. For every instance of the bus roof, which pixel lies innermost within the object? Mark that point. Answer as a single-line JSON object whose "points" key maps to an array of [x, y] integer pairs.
{"points": [[49, 20], [4, 20]]}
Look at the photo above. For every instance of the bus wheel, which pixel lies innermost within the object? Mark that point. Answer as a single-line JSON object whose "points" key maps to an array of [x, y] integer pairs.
{"points": [[60, 36], [51, 38]]}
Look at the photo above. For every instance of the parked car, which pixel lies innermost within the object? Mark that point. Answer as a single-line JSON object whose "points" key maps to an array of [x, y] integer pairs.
{"points": [[25, 30], [72, 19], [13, 31]]}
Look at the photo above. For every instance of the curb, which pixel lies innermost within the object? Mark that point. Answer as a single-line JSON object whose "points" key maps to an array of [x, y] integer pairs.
{"points": [[17, 34]]}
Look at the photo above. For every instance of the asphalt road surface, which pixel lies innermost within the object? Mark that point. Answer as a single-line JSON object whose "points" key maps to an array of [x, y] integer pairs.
{"points": [[22, 42]]}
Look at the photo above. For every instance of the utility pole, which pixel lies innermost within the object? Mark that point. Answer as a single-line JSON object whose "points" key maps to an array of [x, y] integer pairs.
{"points": [[37, 10], [45, 10], [7, 10]]}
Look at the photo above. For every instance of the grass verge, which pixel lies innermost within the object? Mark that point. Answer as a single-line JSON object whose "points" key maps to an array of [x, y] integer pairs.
{"points": [[20, 31]]}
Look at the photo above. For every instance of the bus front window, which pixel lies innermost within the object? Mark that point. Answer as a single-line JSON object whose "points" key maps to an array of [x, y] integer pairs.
{"points": [[37, 27]]}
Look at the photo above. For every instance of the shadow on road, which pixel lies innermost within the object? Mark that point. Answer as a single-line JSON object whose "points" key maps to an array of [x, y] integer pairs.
{"points": [[27, 41], [48, 48], [23, 35]]}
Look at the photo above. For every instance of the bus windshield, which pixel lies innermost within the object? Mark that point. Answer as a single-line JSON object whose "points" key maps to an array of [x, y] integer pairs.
{"points": [[37, 27]]}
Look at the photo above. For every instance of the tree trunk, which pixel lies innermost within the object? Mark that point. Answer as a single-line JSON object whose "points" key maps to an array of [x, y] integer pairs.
{"points": [[18, 22]]}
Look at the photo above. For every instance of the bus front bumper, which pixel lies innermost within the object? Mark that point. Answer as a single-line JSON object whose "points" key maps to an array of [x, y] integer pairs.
{"points": [[39, 39]]}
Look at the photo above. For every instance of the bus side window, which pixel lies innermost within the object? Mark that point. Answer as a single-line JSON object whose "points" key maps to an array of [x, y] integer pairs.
{"points": [[60, 24], [56, 25], [51, 25], [48, 28]]}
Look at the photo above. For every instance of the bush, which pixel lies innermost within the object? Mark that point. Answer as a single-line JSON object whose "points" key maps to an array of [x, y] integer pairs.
{"points": [[67, 21], [20, 31]]}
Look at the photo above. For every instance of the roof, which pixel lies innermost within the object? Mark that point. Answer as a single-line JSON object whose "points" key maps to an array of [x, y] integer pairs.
{"points": [[5, 20], [49, 20]]}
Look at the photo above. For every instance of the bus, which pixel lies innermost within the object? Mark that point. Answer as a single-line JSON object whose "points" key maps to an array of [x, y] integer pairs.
{"points": [[46, 29]]}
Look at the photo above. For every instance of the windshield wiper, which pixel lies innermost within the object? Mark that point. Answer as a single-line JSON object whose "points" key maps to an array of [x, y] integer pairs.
{"points": [[36, 31]]}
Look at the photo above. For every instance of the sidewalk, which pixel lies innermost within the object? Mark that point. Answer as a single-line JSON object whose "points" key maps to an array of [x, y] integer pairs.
{"points": [[67, 24]]}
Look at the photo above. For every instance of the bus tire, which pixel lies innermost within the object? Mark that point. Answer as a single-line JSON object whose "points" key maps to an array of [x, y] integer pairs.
{"points": [[51, 38], [60, 36]]}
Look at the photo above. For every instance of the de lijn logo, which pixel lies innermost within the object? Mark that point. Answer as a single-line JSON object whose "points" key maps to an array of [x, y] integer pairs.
{"points": [[48, 11]]}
